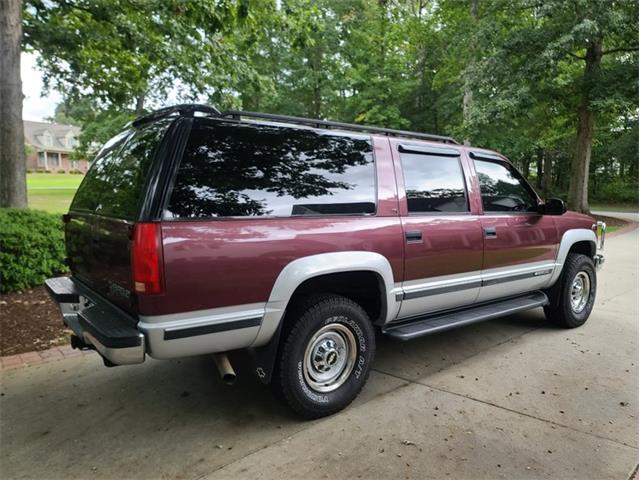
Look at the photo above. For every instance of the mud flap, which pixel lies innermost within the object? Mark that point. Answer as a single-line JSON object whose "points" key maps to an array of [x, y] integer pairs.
{"points": [[263, 359]]}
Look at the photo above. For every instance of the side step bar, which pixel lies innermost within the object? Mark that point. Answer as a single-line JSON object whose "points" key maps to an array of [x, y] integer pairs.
{"points": [[435, 323]]}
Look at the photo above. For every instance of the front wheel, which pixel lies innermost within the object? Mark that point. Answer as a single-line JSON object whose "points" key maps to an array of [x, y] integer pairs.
{"points": [[577, 292], [326, 355]]}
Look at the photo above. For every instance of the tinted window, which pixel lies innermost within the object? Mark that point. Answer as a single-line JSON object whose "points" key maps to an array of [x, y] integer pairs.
{"points": [[433, 183], [503, 189], [115, 182], [257, 170]]}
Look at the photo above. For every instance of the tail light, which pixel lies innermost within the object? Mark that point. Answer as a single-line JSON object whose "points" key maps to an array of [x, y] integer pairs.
{"points": [[146, 257]]}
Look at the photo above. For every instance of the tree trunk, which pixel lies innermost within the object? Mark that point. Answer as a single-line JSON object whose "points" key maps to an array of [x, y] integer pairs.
{"points": [[539, 160], [547, 177], [579, 179], [13, 181], [525, 165], [140, 104], [467, 99]]}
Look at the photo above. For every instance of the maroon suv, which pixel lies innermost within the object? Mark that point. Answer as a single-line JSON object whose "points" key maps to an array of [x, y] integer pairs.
{"points": [[199, 232]]}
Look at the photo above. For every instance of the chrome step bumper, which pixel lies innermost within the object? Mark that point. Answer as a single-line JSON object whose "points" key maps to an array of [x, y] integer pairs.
{"points": [[97, 324]]}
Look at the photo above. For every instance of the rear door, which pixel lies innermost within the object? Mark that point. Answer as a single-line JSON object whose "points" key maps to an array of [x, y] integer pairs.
{"points": [[520, 244], [104, 210], [443, 239]]}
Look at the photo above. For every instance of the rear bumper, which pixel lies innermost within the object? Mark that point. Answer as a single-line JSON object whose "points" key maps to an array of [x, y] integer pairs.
{"points": [[97, 324]]}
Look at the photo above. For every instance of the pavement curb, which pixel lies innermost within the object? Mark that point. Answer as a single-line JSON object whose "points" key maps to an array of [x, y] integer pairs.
{"points": [[29, 359], [631, 226]]}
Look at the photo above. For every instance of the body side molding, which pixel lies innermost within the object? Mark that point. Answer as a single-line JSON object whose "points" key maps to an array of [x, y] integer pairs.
{"points": [[305, 268]]}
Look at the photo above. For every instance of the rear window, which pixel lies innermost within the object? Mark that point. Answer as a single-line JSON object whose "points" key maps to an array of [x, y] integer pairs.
{"points": [[259, 170], [115, 182]]}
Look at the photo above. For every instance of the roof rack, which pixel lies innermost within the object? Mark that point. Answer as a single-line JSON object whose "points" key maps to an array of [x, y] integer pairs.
{"points": [[238, 114], [182, 109], [191, 108]]}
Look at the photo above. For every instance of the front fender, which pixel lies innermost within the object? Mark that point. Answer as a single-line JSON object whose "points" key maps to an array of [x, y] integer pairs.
{"points": [[570, 238]]}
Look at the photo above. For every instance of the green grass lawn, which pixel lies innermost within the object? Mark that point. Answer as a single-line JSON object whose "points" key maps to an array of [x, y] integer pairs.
{"points": [[53, 180], [52, 192], [615, 207]]}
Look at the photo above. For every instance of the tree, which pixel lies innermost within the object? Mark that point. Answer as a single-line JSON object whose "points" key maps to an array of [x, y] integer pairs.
{"points": [[13, 187], [125, 53], [552, 55]]}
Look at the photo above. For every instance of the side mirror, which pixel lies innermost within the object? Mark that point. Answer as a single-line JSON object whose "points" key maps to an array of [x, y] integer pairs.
{"points": [[553, 206]]}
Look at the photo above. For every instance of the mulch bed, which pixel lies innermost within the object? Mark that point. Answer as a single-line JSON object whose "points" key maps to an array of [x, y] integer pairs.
{"points": [[31, 321], [612, 222]]}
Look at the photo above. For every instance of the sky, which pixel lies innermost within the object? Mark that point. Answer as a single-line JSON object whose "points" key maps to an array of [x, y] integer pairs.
{"points": [[35, 107]]}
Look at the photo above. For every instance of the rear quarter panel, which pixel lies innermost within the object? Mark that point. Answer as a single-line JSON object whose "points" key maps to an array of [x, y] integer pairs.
{"points": [[211, 263]]}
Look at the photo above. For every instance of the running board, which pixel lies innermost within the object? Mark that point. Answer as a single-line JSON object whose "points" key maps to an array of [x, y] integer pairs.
{"points": [[435, 323]]}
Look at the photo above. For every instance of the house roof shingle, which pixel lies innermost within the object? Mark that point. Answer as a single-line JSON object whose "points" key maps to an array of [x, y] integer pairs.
{"points": [[34, 131]]}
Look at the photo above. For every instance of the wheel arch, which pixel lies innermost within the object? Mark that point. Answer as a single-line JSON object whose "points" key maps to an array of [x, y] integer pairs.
{"points": [[577, 240], [304, 272]]}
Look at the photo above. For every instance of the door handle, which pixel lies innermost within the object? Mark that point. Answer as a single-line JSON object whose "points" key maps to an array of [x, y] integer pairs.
{"points": [[490, 232], [413, 236]]}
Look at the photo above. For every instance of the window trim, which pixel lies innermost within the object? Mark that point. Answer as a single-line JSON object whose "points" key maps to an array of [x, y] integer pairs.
{"points": [[146, 189], [430, 152], [214, 123], [510, 167]]}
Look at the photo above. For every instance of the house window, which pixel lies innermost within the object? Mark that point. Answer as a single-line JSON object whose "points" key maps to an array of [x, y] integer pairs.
{"points": [[74, 165], [42, 160], [70, 140], [53, 159], [47, 139]]}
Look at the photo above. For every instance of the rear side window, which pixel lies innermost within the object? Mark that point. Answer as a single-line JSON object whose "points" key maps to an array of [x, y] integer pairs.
{"points": [[114, 184], [433, 183], [259, 170], [503, 189]]}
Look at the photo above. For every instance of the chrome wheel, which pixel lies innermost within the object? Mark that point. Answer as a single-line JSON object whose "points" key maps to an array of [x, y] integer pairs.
{"points": [[580, 291], [329, 357]]}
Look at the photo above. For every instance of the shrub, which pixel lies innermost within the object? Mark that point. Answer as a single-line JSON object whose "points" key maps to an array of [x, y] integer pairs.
{"points": [[62, 171], [616, 191], [31, 248]]}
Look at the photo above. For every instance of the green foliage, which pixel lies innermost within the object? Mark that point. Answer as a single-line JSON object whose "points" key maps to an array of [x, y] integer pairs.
{"points": [[617, 190], [31, 248], [521, 65], [122, 51]]}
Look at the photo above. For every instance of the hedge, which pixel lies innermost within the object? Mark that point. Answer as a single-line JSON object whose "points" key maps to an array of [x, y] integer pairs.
{"points": [[31, 248]]}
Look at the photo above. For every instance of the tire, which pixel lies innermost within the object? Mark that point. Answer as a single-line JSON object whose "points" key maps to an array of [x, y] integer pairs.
{"points": [[342, 337], [565, 313]]}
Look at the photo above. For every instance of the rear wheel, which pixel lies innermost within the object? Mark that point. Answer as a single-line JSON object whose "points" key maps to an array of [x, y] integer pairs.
{"points": [[326, 355], [577, 292]]}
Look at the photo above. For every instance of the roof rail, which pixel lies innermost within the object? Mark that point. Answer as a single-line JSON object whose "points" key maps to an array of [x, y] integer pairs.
{"points": [[237, 114], [182, 109]]}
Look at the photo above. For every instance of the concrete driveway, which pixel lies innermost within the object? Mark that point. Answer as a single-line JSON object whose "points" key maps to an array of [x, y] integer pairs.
{"points": [[628, 216], [513, 398]]}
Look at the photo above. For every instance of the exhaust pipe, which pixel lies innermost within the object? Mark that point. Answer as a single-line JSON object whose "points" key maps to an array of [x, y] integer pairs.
{"points": [[80, 344], [225, 369]]}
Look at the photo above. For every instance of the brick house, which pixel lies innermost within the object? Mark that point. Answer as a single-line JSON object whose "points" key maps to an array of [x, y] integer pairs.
{"points": [[50, 146]]}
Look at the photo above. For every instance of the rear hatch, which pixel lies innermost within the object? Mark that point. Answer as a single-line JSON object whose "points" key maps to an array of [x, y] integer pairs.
{"points": [[103, 213]]}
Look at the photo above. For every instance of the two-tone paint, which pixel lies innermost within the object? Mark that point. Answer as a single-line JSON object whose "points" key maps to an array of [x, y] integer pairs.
{"points": [[228, 281]]}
